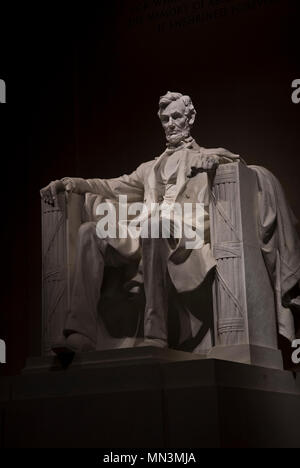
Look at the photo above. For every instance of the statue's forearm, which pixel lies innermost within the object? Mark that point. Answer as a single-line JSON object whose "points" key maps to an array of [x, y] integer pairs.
{"points": [[81, 186], [130, 185]]}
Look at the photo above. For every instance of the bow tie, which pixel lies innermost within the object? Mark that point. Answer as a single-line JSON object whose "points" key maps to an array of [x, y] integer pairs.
{"points": [[187, 143]]}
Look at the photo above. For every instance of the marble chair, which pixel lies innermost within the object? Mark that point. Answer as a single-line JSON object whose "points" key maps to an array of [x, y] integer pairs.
{"points": [[238, 319]]}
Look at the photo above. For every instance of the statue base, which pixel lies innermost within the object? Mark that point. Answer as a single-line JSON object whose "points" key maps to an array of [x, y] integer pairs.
{"points": [[248, 354], [155, 398]]}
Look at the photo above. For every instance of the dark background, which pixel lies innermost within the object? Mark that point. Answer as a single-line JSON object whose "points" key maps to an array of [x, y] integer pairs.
{"points": [[83, 83]]}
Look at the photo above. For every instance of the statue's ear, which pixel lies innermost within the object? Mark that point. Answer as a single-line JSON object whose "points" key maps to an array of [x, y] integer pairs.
{"points": [[192, 118]]}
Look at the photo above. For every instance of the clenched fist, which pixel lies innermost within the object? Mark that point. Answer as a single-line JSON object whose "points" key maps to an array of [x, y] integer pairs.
{"points": [[202, 163], [50, 192]]}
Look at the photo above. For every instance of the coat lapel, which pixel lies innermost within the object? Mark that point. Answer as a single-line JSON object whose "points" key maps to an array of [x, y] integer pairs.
{"points": [[154, 179], [182, 170], [181, 175]]}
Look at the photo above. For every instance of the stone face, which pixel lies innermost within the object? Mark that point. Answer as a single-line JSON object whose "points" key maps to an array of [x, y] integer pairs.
{"points": [[190, 403]]}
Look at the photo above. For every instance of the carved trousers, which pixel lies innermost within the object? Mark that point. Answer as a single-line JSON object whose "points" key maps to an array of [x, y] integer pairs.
{"points": [[93, 254]]}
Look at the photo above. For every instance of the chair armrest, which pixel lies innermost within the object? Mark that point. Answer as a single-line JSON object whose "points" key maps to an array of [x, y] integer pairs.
{"points": [[60, 224]]}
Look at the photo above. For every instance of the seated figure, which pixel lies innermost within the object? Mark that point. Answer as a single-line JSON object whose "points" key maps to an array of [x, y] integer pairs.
{"points": [[173, 251]]}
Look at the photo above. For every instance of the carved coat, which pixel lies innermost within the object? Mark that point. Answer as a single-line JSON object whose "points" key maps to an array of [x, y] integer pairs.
{"points": [[145, 185], [280, 244]]}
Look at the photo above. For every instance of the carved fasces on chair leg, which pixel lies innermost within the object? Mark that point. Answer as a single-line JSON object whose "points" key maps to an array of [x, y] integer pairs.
{"points": [[60, 224], [226, 235], [245, 326], [55, 277]]}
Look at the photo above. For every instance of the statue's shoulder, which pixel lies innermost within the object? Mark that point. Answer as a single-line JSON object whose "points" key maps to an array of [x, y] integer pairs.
{"points": [[148, 164]]}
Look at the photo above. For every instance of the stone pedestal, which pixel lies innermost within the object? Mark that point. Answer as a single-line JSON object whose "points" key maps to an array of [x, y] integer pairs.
{"points": [[149, 398]]}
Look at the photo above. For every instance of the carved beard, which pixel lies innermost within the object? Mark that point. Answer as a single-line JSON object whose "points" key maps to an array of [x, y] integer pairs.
{"points": [[176, 138]]}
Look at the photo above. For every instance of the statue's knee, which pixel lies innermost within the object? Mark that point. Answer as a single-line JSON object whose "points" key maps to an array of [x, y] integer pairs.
{"points": [[147, 229], [87, 230], [87, 238]]}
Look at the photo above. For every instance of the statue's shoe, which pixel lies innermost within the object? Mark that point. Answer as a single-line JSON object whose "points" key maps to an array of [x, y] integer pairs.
{"points": [[79, 343], [157, 343], [75, 343]]}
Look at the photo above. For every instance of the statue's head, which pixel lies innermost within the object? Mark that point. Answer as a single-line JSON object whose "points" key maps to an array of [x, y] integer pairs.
{"points": [[177, 115]]}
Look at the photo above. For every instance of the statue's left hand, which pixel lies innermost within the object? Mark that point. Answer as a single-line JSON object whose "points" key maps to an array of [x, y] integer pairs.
{"points": [[207, 162], [49, 193]]}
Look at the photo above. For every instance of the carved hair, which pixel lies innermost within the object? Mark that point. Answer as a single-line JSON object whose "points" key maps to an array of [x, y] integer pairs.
{"points": [[171, 97]]}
